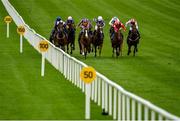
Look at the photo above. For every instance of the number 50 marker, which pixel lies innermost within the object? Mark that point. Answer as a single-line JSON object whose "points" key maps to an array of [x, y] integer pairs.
{"points": [[88, 75]]}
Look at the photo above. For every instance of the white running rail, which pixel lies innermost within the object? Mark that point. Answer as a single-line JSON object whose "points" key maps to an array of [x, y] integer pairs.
{"points": [[119, 103]]}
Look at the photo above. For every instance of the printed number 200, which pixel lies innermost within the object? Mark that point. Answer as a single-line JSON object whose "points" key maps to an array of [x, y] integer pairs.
{"points": [[88, 74]]}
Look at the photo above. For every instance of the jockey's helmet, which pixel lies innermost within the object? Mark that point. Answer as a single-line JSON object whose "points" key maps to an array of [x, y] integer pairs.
{"points": [[58, 18], [85, 21], [115, 17], [61, 22], [133, 21], [70, 18], [116, 22], [100, 18]]}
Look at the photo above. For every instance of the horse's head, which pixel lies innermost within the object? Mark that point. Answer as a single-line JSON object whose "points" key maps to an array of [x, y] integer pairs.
{"points": [[85, 32], [60, 26], [134, 34], [134, 30], [99, 28]]}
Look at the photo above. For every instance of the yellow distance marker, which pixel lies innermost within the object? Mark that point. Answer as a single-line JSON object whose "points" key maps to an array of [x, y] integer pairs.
{"points": [[21, 30], [43, 46], [88, 74], [8, 19]]}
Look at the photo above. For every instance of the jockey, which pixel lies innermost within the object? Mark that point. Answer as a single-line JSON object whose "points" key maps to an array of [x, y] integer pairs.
{"points": [[57, 21], [70, 21], [85, 24], [99, 21], [115, 26], [111, 22], [131, 23], [118, 25]]}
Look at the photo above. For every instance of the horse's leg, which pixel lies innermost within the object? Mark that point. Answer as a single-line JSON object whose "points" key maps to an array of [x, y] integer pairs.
{"points": [[67, 48], [82, 48], [72, 48], [113, 52], [93, 46], [95, 50], [135, 49], [100, 47], [120, 49], [117, 51], [129, 48], [73, 43], [85, 52]]}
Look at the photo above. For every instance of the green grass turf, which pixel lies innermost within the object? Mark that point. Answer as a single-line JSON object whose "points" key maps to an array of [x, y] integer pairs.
{"points": [[154, 73], [24, 94]]}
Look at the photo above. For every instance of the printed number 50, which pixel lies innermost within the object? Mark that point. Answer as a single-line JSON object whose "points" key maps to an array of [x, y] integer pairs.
{"points": [[88, 74]]}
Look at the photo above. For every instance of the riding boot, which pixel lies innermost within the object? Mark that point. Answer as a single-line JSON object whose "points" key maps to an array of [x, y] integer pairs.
{"points": [[112, 36]]}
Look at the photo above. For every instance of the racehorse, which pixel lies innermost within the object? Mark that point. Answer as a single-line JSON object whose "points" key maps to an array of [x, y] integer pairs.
{"points": [[85, 42], [60, 39], [133, 40], [97, 40], [117, 43], [71, 37]]}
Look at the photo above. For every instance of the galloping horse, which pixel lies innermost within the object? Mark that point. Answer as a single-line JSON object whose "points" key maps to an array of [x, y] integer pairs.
{"points": [[60, 39], [71, 37], [133, 40], [85, 42], [117, 42], [97, 40]]}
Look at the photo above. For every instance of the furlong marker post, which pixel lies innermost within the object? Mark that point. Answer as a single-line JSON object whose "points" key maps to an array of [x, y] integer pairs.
{"points": [[21, 31], [88, 75], [43, 47], [7, 20]]}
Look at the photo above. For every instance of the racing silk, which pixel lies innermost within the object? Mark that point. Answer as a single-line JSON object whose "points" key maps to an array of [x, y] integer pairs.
{"points": [[57, 22], [101, 23], [118, 25], [112, 21], [70, 22], [132, 22], [85, 24]]}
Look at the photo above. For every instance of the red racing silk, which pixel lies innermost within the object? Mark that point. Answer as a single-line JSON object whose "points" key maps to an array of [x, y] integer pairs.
{"points": [[118, 25]]}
